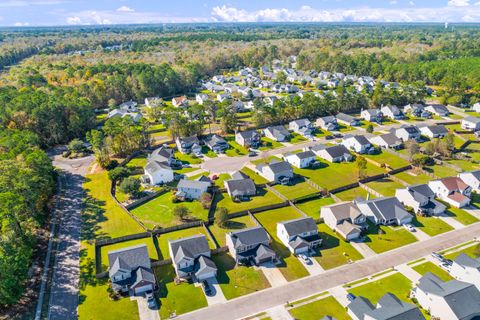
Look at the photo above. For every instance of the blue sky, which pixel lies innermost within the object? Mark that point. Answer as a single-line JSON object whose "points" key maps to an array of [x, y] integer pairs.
{"points": [[88, 12]]}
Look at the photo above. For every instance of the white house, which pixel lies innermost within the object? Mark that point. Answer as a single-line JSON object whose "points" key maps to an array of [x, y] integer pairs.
{"points": [[181, 101], [436, 131], [153, 102], [299, 235], [327, 123], [191, 189], [389, 307], [201, 98], [438, 109], [276, 133], [344, 218], [387, 140], [372, 115], [466, 269], [471, 123], [471, 178], [337, 153], [300, 160], [276, 171], [385, 211], [250, 244], [357, 143], [421, 199], [392, 112], [158, 172], [298, 125], [452, 190], [128, 106], [408, 133]]}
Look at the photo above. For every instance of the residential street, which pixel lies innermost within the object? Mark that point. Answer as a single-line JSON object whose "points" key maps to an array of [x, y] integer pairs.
{"points": [[269, 298]]}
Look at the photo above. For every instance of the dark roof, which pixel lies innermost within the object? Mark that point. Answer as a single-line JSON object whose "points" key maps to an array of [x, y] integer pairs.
{"points": [[302, 122], [143, 274], [192, 184], [214, 139], [190, 247], [264, 252], [189, 140], [239, 175], [360, 139], [241, 187], [472, 119], [360, 306], [389, 307], [297, 226], [249, 135], [280, 166], [410, 129], [153, 166], [345, 117], [249, 236], [387, 208], [204, 265], [305, 154], [467, 261], [128, 258], [421, 191], [337, 151], [438, 129], [390, 138], [162, 154]]}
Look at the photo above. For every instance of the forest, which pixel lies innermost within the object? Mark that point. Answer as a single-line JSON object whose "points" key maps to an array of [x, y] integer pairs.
{"points": [[53, 79]]}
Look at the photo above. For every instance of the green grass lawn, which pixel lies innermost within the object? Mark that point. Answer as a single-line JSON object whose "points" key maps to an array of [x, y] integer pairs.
{"points": [[159, 211], [295, 191], [175, 298], [152, 251], [460, 215], [208, 152], [263, 198], [441, 171], [268, 144], [390, 240], [433, 268], [185, 233], [258, 179], [290, 267], [391, 160], [320, 308], [334, 251], [187, 158], [351, 194], [472, 251], [385, 186], [237, 281], [397, 284], [411, 178], [312, 207], [431, 225], [465, 165], [297, 138], [232, 225], [139, 162], [235, 149]]}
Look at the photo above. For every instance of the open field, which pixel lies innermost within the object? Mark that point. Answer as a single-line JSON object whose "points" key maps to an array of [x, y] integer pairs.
{"points": [[351, 194], [296, 190], [385, 186], [412, 178], [386, 158]]}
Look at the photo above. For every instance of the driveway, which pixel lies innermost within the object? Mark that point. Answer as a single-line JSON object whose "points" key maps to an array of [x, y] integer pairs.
{"points": [[363, 249], [218, 297], [304, 287], [144, 312], [451, 221], [420, 235], [408, 272], [314, 268], [273, 275]]}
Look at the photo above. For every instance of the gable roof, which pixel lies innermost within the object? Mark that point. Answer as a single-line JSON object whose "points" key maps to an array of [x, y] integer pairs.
{"points": [[162, 154], [336, 151], [241, 187], [249, 135], [467, 261], [298, 226], [190, 247], [155, 166], [471, 119], [128, 258], [454, 183], [280, 166], [359, 138], [474, 173], [410, 129], [389, 138], [421, 192], [386, 208], [249, 236], [344, 210], [303, 155], [345, 117], [301, 122], [389, 307], [193, 184], [437, 129]]}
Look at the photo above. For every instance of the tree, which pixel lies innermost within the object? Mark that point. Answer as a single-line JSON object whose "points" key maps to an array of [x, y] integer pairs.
{"points": [[99, 146], [412, 148], [76, 145], [449, 142], [131, 186], [181, 212], [118, 173], [369, 128], [206, 200], [361, 164], [221, 216]]}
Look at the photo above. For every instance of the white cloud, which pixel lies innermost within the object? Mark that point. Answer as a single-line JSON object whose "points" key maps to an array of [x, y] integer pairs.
{"points": [[74, 20], [125, 9], [26, 3], [21, 24], [411, 3], [393, 2], [459, 3]]}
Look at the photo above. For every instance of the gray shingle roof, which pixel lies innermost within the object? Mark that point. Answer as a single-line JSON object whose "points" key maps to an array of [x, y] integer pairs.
{"points": [[128, 258], [389, 307], [438, 129], [467, 261], [280, 166], [192, 184], [249, 236], [297, 226], [162, 154], [241, 187], [337, 151], [386, 208], [305, 154], [204, 265], [190, 247], [390, 139], [154, 166]]}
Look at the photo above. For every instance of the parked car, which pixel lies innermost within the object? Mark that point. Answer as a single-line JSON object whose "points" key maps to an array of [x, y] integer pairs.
{"points": [[151, 300], [448, 261], [438, 256], [351, 297], [252, 154], [329, 137], [207, 288], [305, 259], [446, 266], [409, 227]]}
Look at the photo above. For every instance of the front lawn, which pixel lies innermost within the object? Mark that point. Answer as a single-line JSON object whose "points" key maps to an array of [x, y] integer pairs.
{"points": [[352, 194], [263, 198], [268, 144], [433, 268], [290, 266], [299, 189], [320, 308], [297, 138], [175, 298], [187, 158], [431, 225], [460, 215], [441, 171], [385, 186], [258, 179], [237, 280], [184, 233], [397, 284], [159, 211], [391, 160], [412, 178], [465, 165], [232, 225], [390, 239], [312, 207], [139, 162], [473, 251], [235, 149]]}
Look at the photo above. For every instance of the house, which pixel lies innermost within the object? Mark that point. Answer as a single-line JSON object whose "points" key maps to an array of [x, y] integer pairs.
{"points": [[153, 102], [299, 235], [201, 98], [358, 143], [471, 178], [417, 110], [476, 107], [436, 131], [347, 120], [408, 133], [344, 218], [471, 123], [129, 106], [389, 307], [301, 126], [276, 171], [447, 300], [466, 269], [438, 109], [216, 143], [191, 189], [387, 140], [270, 100], [238, 106], [300, 160], [421, 199], [158, 172], [392, 112], [250, 245], [118, 113], [337, 153], [250, 138], [130, 270], [191, 258], [181, 101], [240, 186], [384, 211], [372, 115], [188, 145], [452, 190], [223, 96], [327, 123], [277, 133]]}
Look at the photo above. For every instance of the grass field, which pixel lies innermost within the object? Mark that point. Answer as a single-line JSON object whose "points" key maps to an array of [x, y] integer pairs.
{"points": [[297, 190], [290, 267], [433, 268], [297, 138], [411, 178], [465, 165], [351, 194], [391, 238], [441, 171], [397, 284], [187, 158], [460, 215], [235, 148], [472, 251], [263, 198], [258, 179], [312, 207], [159, 211], [185, 233], [431, 225], [385, 186], [320, 308], [268, 144], [391, 160], [232, 225]]}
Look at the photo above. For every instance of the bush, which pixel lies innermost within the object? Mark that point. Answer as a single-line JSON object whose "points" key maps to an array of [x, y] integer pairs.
{"points": [[130, 186], [369, 128], [110, 165], [221, 216], [76, 145], [206, 200], [181, 212], [118, 173]]}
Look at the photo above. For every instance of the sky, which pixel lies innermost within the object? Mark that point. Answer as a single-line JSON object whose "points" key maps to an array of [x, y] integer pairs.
{"points": [[101, 12]]}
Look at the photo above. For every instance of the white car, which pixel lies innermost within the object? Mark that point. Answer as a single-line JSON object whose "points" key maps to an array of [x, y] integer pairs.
{"points": [[409, 227], [305, 259]]}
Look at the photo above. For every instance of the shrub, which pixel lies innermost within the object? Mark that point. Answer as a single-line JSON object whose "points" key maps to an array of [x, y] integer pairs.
{"points": [[206, 200], [221, 216], [111, 164], [118, 173], [181, 212], [76, 145], [130, 186]]}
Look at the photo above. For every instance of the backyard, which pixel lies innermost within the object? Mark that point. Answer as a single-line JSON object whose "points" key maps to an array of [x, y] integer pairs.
{"points": [[413, 178], [152, 250], [389, 159], [312, 207], [386, 187], [352, 194], [219, 233], [264, 197], [299, 188]]}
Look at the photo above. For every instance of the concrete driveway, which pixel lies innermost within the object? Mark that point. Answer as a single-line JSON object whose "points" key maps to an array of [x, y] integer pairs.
{"points": [[273, 275], [218, 296], [313, 268], [144, 312]]}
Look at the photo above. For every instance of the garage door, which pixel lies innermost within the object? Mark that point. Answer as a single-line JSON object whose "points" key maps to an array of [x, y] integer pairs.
{"points": [[143, 289]]}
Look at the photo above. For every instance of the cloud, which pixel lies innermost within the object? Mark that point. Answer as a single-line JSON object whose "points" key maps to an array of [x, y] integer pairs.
{"points": [[125, 9], [74, 20], [21, 24], [459, 3], [27, 3], [393, 2]]}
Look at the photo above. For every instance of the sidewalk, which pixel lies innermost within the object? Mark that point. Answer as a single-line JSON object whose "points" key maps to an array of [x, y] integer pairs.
{"points": [[408, 272], [279, 313]]}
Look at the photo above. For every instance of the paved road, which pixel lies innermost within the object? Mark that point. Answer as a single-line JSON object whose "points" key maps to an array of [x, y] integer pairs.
{"points": [[269, 298], [63, 301]]}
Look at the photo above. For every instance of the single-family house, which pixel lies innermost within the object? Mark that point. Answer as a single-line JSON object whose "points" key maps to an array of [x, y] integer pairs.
{"points": [[157, 172], [201, 98], [327, 123], [447, 299], [191, 189], [276, 171], [471, 178], [128, 106], [470, 123], [118, 113], [250, 245], [300, 160], [181, 101], [372, 115], [277, 133], [130, 270], [438, 109], [301, 126], [223, 96], [153, 102], [344, 218], [248, 139], [389, 307], [452, 190], [299, 235], [466, 269], [435, 131], [270, 100], [191, 258], [385, 211], [408, 133], [392, 112], [336, 153], [358, 143], [238, 106], [387, 140], [240, 186], [421, 199], [188, 145], [347, 120], [216, 143]]}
